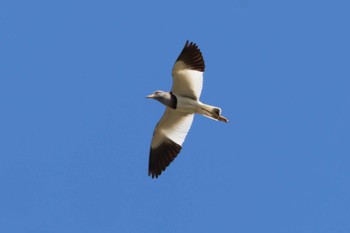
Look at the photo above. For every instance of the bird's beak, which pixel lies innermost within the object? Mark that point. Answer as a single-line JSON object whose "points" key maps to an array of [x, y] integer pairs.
{"points": [[151, 96]]}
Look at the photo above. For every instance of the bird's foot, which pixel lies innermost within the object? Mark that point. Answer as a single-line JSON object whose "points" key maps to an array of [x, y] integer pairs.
{"points": [[224, 119]]}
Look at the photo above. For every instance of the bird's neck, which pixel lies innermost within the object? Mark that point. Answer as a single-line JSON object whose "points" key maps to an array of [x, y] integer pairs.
{"points": [[169, 100]]}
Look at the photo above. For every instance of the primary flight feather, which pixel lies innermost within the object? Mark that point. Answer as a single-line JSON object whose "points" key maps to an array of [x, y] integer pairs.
{"points": [[182, 102]]}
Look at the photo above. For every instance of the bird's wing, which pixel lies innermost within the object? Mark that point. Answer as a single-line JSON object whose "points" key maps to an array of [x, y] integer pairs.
{"points": [[168, 137], [188, 72]]}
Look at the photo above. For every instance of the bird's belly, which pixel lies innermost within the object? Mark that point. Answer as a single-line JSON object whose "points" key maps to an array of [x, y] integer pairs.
{"points": [[187, 105]]}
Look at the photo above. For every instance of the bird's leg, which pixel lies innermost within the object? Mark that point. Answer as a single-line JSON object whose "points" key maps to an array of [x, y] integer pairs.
{"points": [[218, 116]]}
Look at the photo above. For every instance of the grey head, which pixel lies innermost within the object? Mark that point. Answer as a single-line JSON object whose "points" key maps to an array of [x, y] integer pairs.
{"points": [[166, 98]]}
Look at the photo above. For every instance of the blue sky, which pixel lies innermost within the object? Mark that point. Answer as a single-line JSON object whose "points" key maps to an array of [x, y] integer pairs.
{"points": [[76, 127]]}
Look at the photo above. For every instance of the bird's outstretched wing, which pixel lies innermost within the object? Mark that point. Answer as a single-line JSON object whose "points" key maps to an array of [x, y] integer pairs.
{"points": [[188, 72], [168, 137]]}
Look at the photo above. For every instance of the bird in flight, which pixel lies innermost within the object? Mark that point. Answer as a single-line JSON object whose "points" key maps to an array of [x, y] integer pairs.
{"points": [[182, 102]]}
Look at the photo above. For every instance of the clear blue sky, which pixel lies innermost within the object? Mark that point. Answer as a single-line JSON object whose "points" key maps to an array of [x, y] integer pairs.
{"points": [[76, 127]]}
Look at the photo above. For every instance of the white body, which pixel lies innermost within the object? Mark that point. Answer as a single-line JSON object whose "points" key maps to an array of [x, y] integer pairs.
{"points": [[187, 105], [191, 106]]}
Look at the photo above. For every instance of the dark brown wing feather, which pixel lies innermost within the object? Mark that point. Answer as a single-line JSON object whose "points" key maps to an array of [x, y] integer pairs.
{"points": [[162, 156], [192, 57]]}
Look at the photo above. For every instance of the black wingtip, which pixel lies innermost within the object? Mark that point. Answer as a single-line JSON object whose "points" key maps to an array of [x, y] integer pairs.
{"points": [[161, 157], [192, 56]]}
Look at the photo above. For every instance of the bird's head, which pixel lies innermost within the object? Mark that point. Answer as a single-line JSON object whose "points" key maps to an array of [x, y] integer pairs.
{"points": [[165, 98], [158, 95]]}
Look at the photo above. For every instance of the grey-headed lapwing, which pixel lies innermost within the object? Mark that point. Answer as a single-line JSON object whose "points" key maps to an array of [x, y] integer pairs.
{"points": [[182, 102]]}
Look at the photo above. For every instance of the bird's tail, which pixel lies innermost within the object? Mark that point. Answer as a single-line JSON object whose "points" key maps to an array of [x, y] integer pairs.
{"points": [[212, 112]]}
